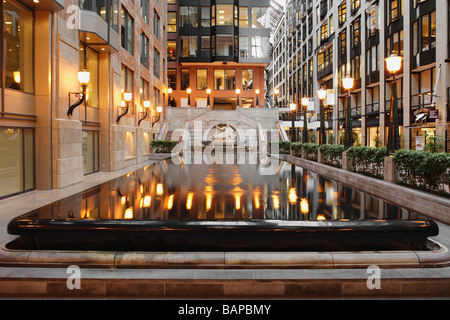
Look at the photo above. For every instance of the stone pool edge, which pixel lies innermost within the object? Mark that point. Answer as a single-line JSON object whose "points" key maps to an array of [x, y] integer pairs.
{"points": [[437, 257]]}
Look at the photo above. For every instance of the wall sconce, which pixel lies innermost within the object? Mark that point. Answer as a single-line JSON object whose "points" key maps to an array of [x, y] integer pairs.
{"points": [[238, 91], [169, 91], [208, 91], [257, 97], [159, 109], [83, 79], [189, 90], [123, 109], [144, 114]]}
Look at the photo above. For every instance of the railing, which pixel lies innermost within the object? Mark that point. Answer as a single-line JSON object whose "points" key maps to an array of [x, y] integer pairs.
{"points": [[372, 108]]}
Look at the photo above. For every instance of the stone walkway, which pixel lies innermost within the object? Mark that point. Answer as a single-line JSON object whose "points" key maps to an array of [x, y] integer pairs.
{"points": [[273, 283]]}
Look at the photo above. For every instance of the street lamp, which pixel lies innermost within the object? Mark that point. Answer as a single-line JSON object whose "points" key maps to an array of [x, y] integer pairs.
{"points": [[125, 105], [393, 65], [257, 97], [189, 90], [83, 79], [305, 101], [322, 93], [238, 91], [293, 107], [347, 83], [276, 92]]}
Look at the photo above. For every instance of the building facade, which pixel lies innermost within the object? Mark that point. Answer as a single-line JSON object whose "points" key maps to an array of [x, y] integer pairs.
{"points": [[328, 40], [217, 53], [45, 44]]}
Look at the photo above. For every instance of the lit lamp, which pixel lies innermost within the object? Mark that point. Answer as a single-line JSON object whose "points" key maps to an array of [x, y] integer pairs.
{"points": [[208, 92], [124, 106], [189, 90], [257, 97], [293, 108], [347, 83], [322, 93], [238, 91], [305, 101], [393, 65], [83, 79], [276, 93], [169, 91], [159, 109], [144, 114]]}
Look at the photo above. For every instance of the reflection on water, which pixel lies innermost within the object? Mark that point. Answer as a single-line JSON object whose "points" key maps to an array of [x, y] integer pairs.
{"points": [[167, 191]]}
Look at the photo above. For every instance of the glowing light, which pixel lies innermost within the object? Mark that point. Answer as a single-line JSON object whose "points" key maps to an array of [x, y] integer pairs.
{"points": [[127, 96], [276, 201], [304, 206], [147, 201], [16, 75], [128, 213], [83, 76], [237, 201], [170, 202], [321, 217], [159, 189], [123, 200], [292, 196], [189, 200], [208, 201]]}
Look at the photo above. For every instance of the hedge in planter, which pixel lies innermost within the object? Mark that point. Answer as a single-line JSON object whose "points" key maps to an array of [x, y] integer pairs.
{"points": [[163, 146], [311, 150], [367, 160], [332, 154], [296, 148], [424, 170], [284, 147]]}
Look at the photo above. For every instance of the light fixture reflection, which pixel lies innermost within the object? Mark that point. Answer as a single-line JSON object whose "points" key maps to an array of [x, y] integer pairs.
{"points": [[304, 206], [170, 202], [159, 189], [276, 201], [292, 196], [190, 198], [147, 201], [321, 217], [237, 201], [128, 213]]}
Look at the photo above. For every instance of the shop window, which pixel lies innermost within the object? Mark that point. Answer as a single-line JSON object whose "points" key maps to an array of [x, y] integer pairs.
{"points": [[90, 151]]}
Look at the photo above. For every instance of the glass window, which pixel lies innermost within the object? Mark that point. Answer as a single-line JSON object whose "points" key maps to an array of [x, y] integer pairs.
{"points": [[17, 160], [224, 47], [171, 21], [206, 46], [144, 10], [127, 82], [243, 17], [355, 30], [202, 79], [224, 79], [342, 12], [89, 61], [172, 78], [172, 50], [247, 79], [260, 47], [156, 63], [188, 16], [259, 17], [206, 17], [188, 46], [224, 14], [144, 50], [89, 147], [184, 79], [171, 1], [156, 23], [114, 15], [127, 31], [19, 47], [243, 47]]}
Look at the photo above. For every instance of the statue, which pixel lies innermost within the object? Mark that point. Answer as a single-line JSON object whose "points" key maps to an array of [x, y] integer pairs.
{"points": [[226, 134]]}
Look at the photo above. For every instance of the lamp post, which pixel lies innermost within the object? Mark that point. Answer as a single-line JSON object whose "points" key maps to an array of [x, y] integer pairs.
{"points": [[257, 97], [189, 90], [208, 91], [347, 83], [322, 93], [238, 91], [276, 92], [83, 79], [393, 65], [293, 107], [305, 101]]}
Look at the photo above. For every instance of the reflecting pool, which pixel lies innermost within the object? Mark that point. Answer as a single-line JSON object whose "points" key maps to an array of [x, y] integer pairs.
{"points": [[167, 206]]}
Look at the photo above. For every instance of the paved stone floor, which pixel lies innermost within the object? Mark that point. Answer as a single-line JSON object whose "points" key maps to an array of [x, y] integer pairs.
{"points": [[207, 283]]}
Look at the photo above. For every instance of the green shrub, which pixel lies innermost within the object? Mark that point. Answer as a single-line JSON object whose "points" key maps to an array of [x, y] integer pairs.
{"points": [[332, 154], [311, 150], [284, 147], [424, 170], [163, 146], [296, 148], [367, 160]]}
